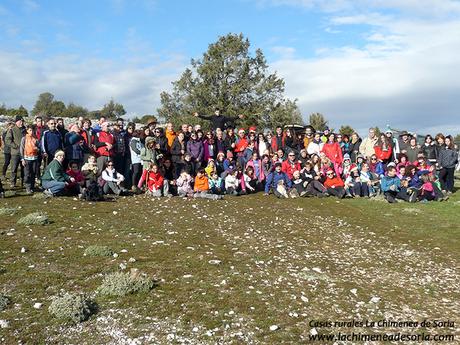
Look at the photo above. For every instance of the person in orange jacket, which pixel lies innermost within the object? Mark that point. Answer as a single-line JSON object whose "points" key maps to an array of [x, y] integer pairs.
{"points": [[201, 187], [334, 184], [170, 135]]}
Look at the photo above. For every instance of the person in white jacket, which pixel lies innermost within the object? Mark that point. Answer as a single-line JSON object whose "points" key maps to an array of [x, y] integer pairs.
{"points": [[112, 180], [316, 145], [232, 183]]}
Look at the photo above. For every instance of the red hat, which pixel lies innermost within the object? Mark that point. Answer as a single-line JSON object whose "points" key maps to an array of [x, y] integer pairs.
{"points": [[252, 129], [329, 171], [353, 167], [229, 154]]}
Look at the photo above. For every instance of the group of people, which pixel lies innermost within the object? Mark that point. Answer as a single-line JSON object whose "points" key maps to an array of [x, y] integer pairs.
{"points": [[94, 159]]}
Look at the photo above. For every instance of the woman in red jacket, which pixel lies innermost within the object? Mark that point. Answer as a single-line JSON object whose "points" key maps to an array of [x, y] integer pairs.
{"points": [[383, 150], [333, 151]]}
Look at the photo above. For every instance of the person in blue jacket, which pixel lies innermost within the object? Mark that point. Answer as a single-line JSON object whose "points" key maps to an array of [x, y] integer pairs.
{"points": [[274, 178], [392, 188], [51, 141]]}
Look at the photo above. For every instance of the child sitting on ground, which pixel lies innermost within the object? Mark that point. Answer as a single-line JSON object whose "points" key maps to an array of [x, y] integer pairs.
{"points": [[184, 184], [216, 184], [232, 182], [154, 181], [201, 187]]}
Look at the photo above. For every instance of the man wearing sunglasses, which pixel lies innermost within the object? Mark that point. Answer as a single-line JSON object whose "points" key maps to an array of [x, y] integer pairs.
{"points": [[51, 141]]}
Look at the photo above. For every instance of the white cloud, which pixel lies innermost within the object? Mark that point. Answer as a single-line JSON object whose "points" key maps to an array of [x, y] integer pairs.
{"points": [[30, 5], [89, 82], [284, 52]]}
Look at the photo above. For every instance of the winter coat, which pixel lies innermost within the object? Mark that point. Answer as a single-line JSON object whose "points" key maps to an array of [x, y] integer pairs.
{"points": [[367, 147], [253, 164], [148, 156], [135, 147], [51, 142], [195, 149], [448, 158], [386, 182], [184, 185], [231, 182], [353, 149], [289, 167], [274, 177], [170, 136], [30, 148], [278, 143], [73, 147], [201, 184], [218, 121], [209, 150], [383, 155], [176, 148], [101, 140], [315, 147], [334, 182], [429, 151], [13, 139], [154, 181], [333, 152], [55, 172], [412, 153]]}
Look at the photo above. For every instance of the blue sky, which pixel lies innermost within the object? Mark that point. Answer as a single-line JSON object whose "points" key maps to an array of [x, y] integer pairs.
{"points": [[358, 62]]}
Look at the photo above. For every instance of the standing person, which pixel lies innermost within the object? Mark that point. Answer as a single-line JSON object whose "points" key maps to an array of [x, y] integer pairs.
{"points": [[170, 135], [316, 145], [412, 150], [88, 139], [333, 151], [178, 149], [135, 147], [195, 150], [309, 134], [60, 126], [383, 149], [368, 144], [128, 134], [98, 125], [393, 142], [240, 146], [278, 139], [73, 143], [404, 141], [54, 178], [119, 150], [209, 147], [448, 159], [30, 152], [429, 149], [13, 140], [353, 147], [51, 142], [39, 128], [104, 143], [220, 142], [6, 149], [161, 141], [218, 120]]}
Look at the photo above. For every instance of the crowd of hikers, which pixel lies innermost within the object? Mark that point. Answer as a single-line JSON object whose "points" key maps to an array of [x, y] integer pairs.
{"points": [[91, 160]]}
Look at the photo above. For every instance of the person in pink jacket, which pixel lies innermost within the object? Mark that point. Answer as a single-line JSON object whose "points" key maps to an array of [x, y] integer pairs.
{"points": [[256, 164]]}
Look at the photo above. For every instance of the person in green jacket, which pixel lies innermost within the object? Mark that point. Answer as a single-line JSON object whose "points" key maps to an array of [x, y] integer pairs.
{"points": [[54, 178], [13, 140]]}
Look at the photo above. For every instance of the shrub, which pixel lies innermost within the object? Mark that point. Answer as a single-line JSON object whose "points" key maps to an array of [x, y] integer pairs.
{"points": [[8, 211], [121, 284], [4, 301], [35, 218], [97, 250], [72, 307]]}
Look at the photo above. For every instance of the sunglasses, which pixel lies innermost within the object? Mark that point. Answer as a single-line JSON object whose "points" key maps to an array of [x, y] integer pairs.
{"points": [[110, 165]]}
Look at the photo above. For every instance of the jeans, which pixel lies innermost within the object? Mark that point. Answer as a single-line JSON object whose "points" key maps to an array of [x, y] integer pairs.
{"points": [[101, 163], [110, 186], [55, 187], [136, 173], [339, 192]]}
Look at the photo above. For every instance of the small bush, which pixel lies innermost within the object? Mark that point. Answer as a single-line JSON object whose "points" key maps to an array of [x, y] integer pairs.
{"points": [[121, 284], [36, 218], [8, 211], [4, 301], [72, 307], [97, 250]]}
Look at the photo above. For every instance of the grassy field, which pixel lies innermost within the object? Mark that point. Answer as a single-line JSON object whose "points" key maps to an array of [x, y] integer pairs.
{"points": [[228, 270]]}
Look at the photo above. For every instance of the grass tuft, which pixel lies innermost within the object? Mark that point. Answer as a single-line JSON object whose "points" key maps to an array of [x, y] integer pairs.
{"points": [[4, 301], [97, 250], [8, 211], [35, 218], [121, 284], [72, 307]]}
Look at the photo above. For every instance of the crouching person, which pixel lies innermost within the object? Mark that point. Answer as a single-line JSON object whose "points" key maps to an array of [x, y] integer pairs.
{"points": [[278, 182], [201, 187], [54, 179], [392, 188], [111, 180], [77, 187], [154, 181]]}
